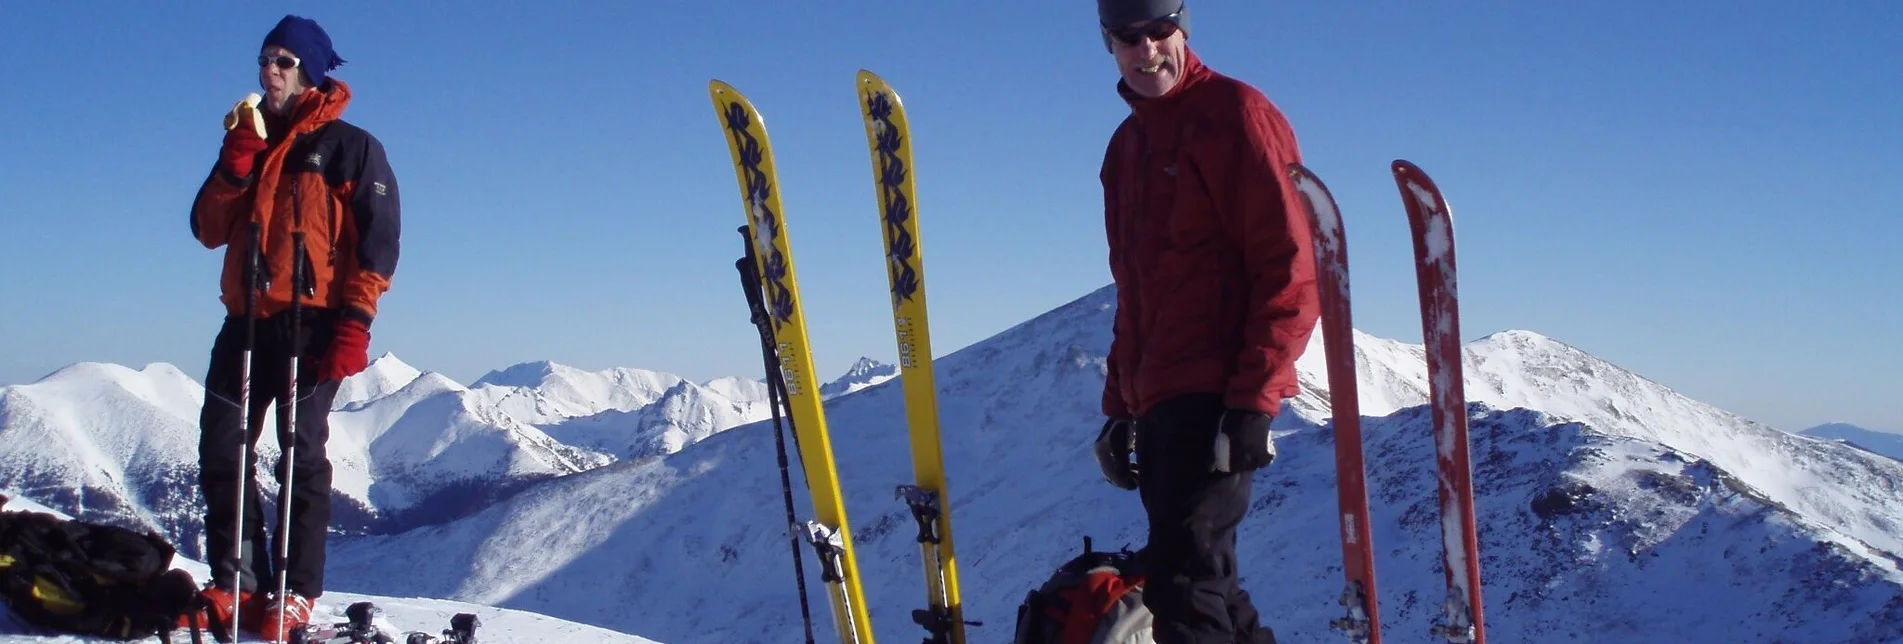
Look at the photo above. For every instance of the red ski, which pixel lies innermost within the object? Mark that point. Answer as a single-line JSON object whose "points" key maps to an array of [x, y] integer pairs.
{"points": [[1362, 624], [1433, 226]]}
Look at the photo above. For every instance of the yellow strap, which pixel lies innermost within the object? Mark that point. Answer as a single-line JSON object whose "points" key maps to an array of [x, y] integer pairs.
{"points": [[55, 600]]}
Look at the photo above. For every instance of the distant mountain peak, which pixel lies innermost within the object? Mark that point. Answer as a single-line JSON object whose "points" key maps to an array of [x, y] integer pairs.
{"points": [[865, 366], [384, 376], [525, 374], [1877, 442], [865, 372], [1840, 426]]}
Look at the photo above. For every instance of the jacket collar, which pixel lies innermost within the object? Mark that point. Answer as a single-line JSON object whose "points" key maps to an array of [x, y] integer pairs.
{"points": [[314, 109], [1194, 73]]}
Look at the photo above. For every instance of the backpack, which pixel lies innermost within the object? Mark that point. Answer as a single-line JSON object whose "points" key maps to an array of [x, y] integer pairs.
{"points": [[1095, 598], [88, 578]]}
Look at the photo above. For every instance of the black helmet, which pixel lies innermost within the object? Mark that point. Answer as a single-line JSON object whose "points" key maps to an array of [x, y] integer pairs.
{"points": [[1116, 13]]}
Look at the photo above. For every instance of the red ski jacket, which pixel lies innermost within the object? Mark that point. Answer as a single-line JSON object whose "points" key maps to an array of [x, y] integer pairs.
{"points": [[1212, 259]]}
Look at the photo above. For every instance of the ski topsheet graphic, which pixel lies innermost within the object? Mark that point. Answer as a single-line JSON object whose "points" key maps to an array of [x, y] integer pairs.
{"points": [[1432, 223], [1362, 623], [759, 191], [889, 141]]}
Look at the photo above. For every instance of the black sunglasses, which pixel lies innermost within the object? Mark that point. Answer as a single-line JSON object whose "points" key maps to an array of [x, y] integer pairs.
{"points": [[1133, 35], [283, 62]]}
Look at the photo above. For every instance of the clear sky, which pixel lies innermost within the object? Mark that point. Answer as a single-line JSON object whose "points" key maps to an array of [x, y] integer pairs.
{"points": [[1704, 192]]}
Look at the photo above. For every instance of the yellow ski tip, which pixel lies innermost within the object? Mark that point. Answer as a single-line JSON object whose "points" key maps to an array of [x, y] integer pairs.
{"points": [[871, 82], [720, 90], [725, 95]]}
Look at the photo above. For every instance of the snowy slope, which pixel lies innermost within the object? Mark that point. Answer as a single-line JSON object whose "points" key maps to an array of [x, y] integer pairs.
{"points": [[1391, 375], [1525, 369], [1886, 443], [1590, 532], [397, 615], [1849, 491]]}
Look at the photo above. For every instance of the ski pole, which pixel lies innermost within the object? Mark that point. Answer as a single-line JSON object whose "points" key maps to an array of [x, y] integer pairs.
{"points": [[295, 346], [254, 282], [776, 395]]}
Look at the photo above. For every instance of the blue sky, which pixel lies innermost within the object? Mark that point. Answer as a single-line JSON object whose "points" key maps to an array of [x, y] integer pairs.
{"points": [[1706, 193]]}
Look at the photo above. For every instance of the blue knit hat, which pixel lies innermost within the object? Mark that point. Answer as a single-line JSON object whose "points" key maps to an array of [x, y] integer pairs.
{"points": [[309, 42]]}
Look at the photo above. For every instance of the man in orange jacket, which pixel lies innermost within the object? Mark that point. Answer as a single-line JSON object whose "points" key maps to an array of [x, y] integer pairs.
{"points": [[311, 176], [1215, 301]]}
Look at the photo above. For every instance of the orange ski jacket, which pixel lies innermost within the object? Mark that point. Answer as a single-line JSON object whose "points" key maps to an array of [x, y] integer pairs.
{"points": [[320, 175]]}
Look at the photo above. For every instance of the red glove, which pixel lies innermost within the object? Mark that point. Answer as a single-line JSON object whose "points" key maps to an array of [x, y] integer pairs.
{"points": [[240, 151], [349, 352]]}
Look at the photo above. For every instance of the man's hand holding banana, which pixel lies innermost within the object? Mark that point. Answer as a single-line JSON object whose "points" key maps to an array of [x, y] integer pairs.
{"points": [[244, 137]]}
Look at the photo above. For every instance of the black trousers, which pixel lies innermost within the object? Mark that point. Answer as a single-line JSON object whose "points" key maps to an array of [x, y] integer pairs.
{"points": [[221, 435], [1192, 589]]}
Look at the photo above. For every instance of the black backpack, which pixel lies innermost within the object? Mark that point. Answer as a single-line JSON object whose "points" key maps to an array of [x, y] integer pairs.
{"points": [[1095, 598], [90, 579]]}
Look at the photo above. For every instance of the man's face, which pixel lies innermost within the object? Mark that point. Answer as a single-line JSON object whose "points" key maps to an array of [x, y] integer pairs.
{"points": [[1150, 56], [280, 78]]}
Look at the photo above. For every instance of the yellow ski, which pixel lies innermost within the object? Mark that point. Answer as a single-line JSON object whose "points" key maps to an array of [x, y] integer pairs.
{"points": [[888, 138], [828, 533]]}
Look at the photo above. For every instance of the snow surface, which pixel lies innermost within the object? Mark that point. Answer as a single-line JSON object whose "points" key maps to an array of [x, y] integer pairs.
{"points": [[1610, 507]]}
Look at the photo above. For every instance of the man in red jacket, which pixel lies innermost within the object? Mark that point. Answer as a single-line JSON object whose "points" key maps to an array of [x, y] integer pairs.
{"points": [[1215, 300], [289, 164]]}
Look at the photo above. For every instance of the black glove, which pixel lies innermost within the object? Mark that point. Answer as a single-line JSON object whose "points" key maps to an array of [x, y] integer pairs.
{"points": [[1242, 441], [1115, 444]]}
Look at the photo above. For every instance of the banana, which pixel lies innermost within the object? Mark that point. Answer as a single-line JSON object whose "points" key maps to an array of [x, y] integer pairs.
{"points": [[246, 111]]}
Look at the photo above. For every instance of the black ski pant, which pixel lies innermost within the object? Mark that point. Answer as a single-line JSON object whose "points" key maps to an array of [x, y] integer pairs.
{"points": [[1192, 588], [221, 435]]}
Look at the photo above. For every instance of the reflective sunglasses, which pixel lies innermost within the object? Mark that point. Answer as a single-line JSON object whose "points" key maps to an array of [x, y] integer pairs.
{"points": [[282, 62], [1133, 35]]}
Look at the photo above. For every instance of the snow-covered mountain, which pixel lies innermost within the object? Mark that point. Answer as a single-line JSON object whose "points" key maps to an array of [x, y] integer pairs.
{"points": [[865, 372], [546, 393], [684, 414], [107, 442], [623, 412], [384, 376], [432, 450], [1511, 369], [1610, 508], [1886, 443], [408, 447]]}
